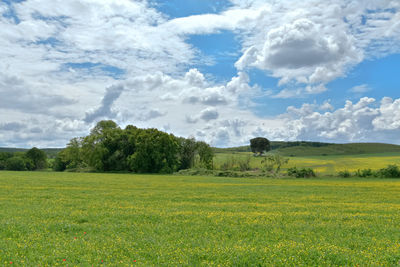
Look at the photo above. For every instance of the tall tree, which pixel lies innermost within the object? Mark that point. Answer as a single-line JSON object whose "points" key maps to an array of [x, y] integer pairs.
{"points": [[206, 155], [38, 157], [259, 145], [187, 153]]}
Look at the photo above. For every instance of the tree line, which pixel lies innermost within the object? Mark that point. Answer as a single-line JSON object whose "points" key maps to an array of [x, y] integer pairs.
{"points": [[108, 148], [33, 159]]}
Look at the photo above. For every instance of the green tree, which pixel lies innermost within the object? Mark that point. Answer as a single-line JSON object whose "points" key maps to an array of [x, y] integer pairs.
{"points": [[16, 164], [259, 145], [206, 155], [156, 152], [3, 158], [108, 147], [70, 157], [188, 148], [38, 157]]}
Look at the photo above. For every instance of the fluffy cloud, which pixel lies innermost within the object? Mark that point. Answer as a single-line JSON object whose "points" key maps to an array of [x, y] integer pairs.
{"points": [[67, 64], [389, 118], [311, 43], [17, 94], [362, 121]]}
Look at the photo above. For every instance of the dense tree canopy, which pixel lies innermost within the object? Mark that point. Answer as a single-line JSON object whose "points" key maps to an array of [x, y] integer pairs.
{"points": [[38, 158], [259, 145], [33, 159], [110, 148]]}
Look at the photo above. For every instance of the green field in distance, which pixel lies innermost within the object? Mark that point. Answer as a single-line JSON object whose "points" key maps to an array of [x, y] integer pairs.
{"points": [[322, 165], [79, 219]]}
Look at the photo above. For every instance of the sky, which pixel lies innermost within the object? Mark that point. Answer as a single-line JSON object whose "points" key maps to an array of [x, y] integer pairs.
{"points": [[219, 71]]}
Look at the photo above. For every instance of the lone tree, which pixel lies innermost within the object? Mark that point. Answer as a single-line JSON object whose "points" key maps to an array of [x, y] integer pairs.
{"points": [[259, 145]]}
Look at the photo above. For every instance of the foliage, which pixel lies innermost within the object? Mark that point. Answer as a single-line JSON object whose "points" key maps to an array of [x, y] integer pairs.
{"points": [[244, 164], [110, 148], [364, 173], [3, 158], [271, 162], [38, 158], [391, 171], [188, 148], [206, 155], [16, 164], [344, 174], [259, 145], [301, 173], [156, 152], [71, 157]]}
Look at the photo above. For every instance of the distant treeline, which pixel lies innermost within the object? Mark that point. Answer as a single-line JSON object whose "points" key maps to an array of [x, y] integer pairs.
{"points": [[50, 152], [32, 159], [109, 148], [274, 145]]}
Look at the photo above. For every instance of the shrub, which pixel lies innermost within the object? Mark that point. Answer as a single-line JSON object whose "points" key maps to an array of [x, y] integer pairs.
{"points": [[301, 173], [391, 171], [16, 164], [364, 173], [244, 164], [344, 174]]}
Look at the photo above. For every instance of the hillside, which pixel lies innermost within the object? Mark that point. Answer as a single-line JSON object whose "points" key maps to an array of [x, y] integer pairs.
{"points": [[298, 149]]}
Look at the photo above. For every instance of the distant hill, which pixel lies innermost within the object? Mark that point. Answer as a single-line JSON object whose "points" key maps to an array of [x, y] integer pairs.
{"points": [[302, 148]]}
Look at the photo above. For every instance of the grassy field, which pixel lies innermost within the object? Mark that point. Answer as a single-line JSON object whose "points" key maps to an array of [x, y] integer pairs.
{"points": [[324, 165], [148, 220]]}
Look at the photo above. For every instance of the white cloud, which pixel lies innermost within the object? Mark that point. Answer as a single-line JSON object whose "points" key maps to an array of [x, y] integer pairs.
{"points": [[70, 63], [362, 88], [209, 114], [362, 121], [326, 105], [389, 118]]}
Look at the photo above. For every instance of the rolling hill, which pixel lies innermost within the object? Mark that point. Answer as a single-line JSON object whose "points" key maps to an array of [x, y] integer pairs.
{"points": [[300, 149]]}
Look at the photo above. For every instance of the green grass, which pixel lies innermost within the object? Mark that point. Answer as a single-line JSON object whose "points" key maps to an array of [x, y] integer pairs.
{"points": [[323, 165], [306, 149], [339, 149], [198, 221]]}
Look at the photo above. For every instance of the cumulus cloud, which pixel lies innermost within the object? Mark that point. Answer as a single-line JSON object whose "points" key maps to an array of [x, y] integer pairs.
{"points": [[209, 114], [311, 43], [104, 111], [389, 118], [301, 51], [67, 64], [362, 121], [17, 94]]}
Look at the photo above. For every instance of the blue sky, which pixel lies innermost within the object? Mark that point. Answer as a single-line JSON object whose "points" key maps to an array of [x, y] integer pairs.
{"points": [[220, 71]]}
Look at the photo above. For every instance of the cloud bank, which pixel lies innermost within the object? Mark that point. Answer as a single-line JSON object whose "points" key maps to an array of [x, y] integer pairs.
{"points": [[67, 64]]}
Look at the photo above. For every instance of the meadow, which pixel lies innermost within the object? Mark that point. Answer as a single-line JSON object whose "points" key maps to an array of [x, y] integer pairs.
{"points": [[78, 219], [322, 165]]}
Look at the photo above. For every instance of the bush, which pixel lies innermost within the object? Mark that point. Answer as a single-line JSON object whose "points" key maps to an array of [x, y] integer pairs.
{"points": [[59, 165], [344, 174], [16, 164], [364, 173], [391, 171], [244, 164], [301, 173]]}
